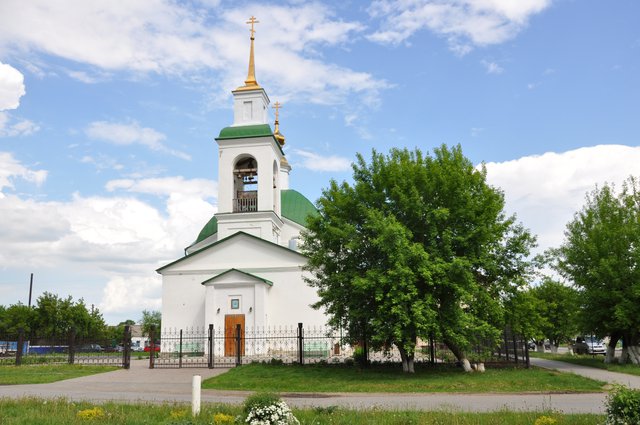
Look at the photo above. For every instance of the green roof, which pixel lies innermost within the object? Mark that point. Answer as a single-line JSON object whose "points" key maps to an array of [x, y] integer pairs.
{"points": [[209, 229], [260, 130], [294, 206]]}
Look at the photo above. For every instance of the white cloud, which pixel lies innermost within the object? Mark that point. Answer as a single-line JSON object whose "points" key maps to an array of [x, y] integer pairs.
{"points": [[10, 127], [315, 162], [121, 238], [129, 134], [492, 67], [11, 87], [11, 168], [173, 38], [132, 294], [546, 190], [464, 23]]}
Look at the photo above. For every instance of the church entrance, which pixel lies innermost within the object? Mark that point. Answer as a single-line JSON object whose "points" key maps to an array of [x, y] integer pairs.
{"points": [[231, 322]]}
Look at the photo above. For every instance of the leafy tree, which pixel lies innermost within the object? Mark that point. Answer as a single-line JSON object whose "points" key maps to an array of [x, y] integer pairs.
{"points": [[419, 245], [150, 318], [558, 305], [56, 316], [15, 317], [601, 256]]}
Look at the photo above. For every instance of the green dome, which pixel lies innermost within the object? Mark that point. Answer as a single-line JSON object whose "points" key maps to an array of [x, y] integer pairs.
{"points": [[293, 204]]}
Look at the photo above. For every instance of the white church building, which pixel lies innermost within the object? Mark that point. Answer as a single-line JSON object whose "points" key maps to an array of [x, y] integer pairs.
{"points": [[244, 267]]}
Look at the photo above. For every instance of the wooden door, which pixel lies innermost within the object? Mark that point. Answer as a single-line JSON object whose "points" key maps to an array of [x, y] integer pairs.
{"points": [[231, 322]]}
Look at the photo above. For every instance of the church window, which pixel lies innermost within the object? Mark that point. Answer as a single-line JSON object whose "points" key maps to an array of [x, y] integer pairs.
{"points": [[235, 303]]}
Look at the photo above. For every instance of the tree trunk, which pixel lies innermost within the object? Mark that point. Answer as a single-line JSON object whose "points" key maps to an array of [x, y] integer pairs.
{"points": [[554, 348], [611, 349], [460, 355], [631, 344], [407, 361], [540, 347]]}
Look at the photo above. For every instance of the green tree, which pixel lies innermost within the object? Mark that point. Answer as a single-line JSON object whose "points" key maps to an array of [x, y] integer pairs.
{"points": [[601, 256], [15, 317], [56, 316], [558, 306], [150, 318], [418, 245]]}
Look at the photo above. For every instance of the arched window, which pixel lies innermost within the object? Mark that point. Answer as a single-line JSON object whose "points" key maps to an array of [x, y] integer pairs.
{"points": [[245, 179]]}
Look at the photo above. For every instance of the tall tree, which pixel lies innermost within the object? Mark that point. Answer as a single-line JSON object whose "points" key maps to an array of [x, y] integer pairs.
{"points": [[558, 306], [150, 318], [419, 245], [601, 256], [56, 316]]}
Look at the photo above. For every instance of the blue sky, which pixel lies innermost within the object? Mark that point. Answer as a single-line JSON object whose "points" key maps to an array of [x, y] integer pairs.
{"points": [[109, 110]]}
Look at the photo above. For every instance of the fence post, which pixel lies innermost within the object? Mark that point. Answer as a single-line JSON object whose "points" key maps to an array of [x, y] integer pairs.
{"points": [[238, 342], [526, 352], [72, 345], [506, 345], [432, 354], [210, 341], [126, 344], [152, 347], [20, 346], [180, 351], [300, 344]]}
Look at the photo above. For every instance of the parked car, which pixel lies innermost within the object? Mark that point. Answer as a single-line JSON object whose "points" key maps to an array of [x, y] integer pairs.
{"points": [[148, 348], [90, 348], [115, 349], [589, 345]]}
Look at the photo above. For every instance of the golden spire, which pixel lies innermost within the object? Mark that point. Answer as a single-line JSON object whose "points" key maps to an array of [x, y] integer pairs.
{"points": [[250, 82], [279, 136]]}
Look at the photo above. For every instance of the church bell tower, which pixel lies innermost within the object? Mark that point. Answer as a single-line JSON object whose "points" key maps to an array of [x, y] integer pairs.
{"points": [[250, 166]]}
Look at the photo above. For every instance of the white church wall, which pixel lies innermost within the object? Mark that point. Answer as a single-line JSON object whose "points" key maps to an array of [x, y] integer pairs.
{"points": [[182, 301]]}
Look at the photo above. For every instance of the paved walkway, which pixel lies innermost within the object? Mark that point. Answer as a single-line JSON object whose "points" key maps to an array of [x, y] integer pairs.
{"points": [[174, 385]]}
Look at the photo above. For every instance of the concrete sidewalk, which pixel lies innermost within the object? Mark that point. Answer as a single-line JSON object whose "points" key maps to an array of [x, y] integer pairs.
{"points": [[174, 386], [631, 381]]}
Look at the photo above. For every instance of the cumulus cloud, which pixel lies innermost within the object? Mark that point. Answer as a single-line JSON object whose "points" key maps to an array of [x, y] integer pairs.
{"points": [[11, 87], [464, 23], [546, 190], [132, 293], [11, 169], [121, 237], [173, 38], [129, 134], [315, 162]]}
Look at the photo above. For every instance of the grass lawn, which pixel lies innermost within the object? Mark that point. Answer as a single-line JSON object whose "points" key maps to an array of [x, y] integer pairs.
{"points": [[42, 374], [35, 411], [589, 360], [340, 378]]}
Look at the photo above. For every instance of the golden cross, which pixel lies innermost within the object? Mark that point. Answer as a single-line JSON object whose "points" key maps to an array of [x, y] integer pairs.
{"points": [[252, 21], [277, 107]]}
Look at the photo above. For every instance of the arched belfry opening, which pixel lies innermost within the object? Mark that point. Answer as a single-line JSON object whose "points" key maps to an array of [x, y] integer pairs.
{"points": [[245, 178]]}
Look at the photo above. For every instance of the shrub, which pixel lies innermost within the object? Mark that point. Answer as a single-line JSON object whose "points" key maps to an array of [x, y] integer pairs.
{"points": [[267, 409], [623, 406]]}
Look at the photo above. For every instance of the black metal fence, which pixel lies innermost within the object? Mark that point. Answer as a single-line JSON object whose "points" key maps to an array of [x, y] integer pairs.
{"points": [[193, 347], [19, 348]]}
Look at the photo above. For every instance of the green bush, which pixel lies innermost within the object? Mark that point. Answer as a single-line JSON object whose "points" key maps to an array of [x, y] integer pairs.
{"points": [[623, 406], [259, 400]]}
